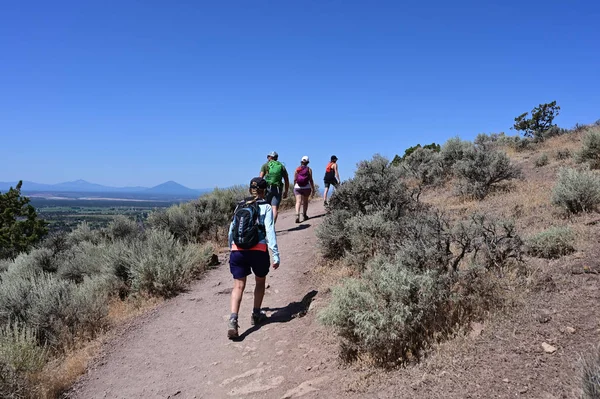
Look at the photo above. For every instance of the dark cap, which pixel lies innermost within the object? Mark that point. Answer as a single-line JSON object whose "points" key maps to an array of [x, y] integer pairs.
{"points": [[258, 182], [333, 158]]}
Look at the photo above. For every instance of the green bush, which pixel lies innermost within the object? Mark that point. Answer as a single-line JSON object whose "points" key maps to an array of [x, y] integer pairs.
{"points": [[480, 170], [542, 160], [590, 151], [576, 191], [84, 233], [590, 378], [205, 218], [123, 228], [390, 314], [20, 227], [163, 266], [333, 236], [453, 151], [20, 356], [81, 261], [376, 185], [494, 140], [552, 243], [423, 165], [370, 235]]}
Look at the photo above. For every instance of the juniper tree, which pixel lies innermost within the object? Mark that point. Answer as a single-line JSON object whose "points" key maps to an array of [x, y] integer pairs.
{"points": [[20, 227]]}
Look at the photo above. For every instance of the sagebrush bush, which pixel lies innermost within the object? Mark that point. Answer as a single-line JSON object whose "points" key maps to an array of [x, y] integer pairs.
{"points": [[590, 150], [57, 242], [453, 151], [495, 140], [590, 375], [424, 165], [576, 191], [20, 357], [84, 233], [376, 185], [542, 160], [205, 218], [480, 170], [82, 260], [123, 228], [390, 313], [552, 243], [334, 237], [370, 235], [162, 266]]}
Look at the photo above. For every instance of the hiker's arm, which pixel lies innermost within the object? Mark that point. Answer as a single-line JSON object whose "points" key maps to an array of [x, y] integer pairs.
{"points": [[295, 177], [271, 237], [312, 183], [286, 179], [337, 172], [263, 171]]}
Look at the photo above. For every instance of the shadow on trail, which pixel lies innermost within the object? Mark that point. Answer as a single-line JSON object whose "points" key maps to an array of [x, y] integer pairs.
{"points": [[284, 314], [299, 227]]}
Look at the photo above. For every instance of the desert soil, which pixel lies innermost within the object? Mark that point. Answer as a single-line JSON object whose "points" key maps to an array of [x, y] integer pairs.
{"points": [[180, 349]]}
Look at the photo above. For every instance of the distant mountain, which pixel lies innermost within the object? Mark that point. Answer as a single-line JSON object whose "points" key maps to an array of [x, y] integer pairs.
{"points": [[172, 188], [169, 188]]}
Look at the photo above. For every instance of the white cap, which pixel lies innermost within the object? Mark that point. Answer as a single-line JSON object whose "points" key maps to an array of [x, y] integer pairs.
{"points": [[305, 158]]}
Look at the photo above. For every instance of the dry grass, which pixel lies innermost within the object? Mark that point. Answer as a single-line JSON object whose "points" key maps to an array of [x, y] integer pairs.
{"points": [[60, 374]]}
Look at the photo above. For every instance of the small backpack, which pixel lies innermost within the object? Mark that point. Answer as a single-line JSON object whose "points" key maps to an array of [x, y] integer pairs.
{"points": [[246, 225], [275, 174], [303, 175]]}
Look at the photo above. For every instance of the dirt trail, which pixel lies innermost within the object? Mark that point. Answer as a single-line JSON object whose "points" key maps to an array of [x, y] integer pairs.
{"points": [[181, 349]]}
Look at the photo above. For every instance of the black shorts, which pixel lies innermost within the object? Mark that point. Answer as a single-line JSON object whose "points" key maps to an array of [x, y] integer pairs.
{"points": [[243, 263], [331, 182]]}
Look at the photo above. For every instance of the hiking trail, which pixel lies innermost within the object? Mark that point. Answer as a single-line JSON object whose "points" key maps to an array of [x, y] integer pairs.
{"points": [[180, 349]]}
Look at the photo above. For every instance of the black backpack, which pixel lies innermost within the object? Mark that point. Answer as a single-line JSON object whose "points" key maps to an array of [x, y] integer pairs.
{"points": [[246, 225]]}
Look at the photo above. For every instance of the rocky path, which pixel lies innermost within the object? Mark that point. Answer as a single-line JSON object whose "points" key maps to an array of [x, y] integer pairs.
{"points": [[180, 350]]}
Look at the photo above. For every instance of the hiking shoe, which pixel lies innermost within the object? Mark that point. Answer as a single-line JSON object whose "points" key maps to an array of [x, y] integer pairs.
{"points": [[258, 318], [297, 219], [232, 331], [305, 217]]}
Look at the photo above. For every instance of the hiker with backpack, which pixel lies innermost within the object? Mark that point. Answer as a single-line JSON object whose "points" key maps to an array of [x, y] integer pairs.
{"points": [[332, 176], [251, 235], [273, 172], [303, 187]]}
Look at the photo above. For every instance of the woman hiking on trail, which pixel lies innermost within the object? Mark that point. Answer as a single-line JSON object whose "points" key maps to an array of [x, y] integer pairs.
{"points": [[250, 232], [332, 176], [303, 188]]}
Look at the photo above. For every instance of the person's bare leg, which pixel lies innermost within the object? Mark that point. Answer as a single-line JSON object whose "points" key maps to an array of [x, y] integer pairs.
{"points": [[239, 284], [298, 202], [325, 195], [275, 208], [305, 204], [259, 291]]}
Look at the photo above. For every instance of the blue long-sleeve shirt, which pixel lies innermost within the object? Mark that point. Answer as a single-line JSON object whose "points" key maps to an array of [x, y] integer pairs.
{"points": [[265, 219]]}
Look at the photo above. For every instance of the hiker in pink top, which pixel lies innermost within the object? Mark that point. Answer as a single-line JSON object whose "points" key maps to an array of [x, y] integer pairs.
{"points": [[303, 187]]}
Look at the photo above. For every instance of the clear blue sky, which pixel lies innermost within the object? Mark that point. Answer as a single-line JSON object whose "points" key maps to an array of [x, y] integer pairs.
{"points": [[140, 92]]}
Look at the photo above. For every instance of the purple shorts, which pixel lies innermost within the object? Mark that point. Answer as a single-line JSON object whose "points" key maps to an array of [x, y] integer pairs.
{"points": [[302, 191], [243, 263]]}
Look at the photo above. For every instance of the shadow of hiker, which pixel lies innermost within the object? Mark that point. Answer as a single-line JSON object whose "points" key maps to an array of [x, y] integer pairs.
{"points": [[284, 314], [301, 226]]}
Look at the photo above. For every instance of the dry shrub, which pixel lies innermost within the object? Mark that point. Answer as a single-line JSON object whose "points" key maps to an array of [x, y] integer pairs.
{"points": [[480, 170], [576, 191], [590, 150], [552, 243], [590, 378]]}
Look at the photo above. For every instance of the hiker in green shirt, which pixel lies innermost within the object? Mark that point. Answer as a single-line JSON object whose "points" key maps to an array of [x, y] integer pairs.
{"points": [[273, 172]]}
